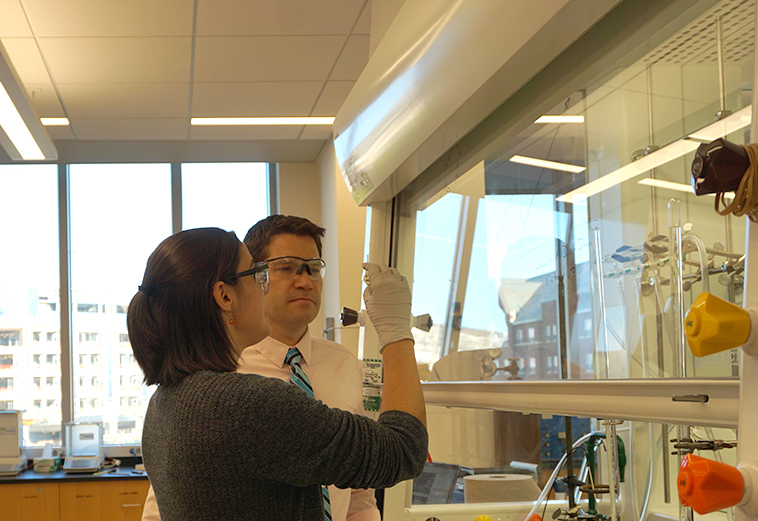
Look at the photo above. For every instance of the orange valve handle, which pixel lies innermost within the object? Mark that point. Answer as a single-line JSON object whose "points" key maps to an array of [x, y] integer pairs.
{"points": [[707, 485]]}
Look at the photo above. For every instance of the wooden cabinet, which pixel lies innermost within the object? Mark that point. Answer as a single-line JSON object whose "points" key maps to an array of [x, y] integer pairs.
{"points": [[92, 500], [29, 502], [117, 500], [123, 500]]}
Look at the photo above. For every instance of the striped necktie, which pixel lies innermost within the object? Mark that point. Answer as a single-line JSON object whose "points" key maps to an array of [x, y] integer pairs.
{"points": [[299, 378]]}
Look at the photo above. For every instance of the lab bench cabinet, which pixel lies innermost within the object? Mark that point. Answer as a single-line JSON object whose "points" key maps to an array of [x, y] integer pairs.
{"points": [[121, 500], [29, 502], [92, 500]]}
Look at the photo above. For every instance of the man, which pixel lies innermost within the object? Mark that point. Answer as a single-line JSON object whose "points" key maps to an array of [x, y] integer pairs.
{"points": [[292, 247]]}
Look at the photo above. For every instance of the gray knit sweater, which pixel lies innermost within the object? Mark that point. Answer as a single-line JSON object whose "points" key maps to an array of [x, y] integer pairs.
{"points": [[230, 446]]}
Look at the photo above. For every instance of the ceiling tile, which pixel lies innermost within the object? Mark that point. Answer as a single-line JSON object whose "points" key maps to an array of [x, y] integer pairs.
{"points": [[352, 60], [246, 132], [117, 60], [363, 26], [317, 132], [130, 129], [262, 99], [45, 100], [265, 58], [60, 132], [27, 60], [332, 98], [13, 21], [264, 17], [130, 100], [103, 18]]}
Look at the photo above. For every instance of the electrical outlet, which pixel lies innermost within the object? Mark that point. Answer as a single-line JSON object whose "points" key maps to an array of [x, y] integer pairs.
{"points": [[58, 452], [137, 451]]}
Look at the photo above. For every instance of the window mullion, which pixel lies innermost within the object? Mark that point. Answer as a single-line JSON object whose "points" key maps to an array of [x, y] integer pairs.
{"points": [[64, 242]]}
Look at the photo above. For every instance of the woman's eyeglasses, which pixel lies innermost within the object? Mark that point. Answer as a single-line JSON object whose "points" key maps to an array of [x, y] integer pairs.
{"points": [[259, 271], [291, 267]]}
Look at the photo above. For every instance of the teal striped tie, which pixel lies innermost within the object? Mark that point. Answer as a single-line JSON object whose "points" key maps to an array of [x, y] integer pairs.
{"points": [[299, 378]]}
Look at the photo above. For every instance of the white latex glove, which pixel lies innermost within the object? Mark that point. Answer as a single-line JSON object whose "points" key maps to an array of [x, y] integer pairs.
{"points": [[388, 303]]}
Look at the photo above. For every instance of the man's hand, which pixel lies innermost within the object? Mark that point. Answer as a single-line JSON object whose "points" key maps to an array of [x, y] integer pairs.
{"points": [[388, 303]]}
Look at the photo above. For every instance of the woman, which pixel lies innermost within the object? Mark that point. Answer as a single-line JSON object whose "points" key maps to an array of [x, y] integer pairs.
{"points": [[222, 445]]}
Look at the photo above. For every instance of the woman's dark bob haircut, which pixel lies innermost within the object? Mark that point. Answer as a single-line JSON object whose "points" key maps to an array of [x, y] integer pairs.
{"points": [[175, 326]]}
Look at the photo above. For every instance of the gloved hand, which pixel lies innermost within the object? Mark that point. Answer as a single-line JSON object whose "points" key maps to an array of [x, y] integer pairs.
{"points": [[388, 303]]}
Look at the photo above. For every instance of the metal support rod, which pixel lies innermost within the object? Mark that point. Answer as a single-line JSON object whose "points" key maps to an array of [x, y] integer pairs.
{"points": [[728, 232], [570, 464], [601, 294], [680, 349], [612, 459], [651, 145], [720, 50]]}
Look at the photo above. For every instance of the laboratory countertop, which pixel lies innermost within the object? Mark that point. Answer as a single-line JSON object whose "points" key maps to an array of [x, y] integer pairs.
{"points": [[29, 476]]}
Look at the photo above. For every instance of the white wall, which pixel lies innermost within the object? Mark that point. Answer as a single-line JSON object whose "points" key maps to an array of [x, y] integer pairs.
{"points": [[343, 247]]}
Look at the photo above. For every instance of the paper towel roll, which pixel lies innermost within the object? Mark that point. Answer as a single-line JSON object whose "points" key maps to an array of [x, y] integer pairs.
{"points": [[487, 488]]}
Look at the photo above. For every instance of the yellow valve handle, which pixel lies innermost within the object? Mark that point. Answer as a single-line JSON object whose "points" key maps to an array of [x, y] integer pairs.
{"points": [[713, 325]]}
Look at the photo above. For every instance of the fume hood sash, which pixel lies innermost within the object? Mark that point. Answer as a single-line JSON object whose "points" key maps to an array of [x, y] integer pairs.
{"points": [[440, 69]]}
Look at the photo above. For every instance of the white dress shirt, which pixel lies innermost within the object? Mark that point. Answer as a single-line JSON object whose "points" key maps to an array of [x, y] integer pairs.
{"points": [[336, 376]]}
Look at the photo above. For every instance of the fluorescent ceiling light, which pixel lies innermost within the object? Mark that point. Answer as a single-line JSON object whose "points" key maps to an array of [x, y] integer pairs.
{"points": [[552, 165], [14, 127], [679, 187], [663, 155], [54, 122], [560, 119], [262, 121]]}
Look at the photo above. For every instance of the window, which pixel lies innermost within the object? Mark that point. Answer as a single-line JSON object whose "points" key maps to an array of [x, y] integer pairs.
{"points": [[127, 360], [10, 338], [89, 338], [6, 384], [29, 289], [246, 202], [99, 286], [126, 427], [110, 243]]}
